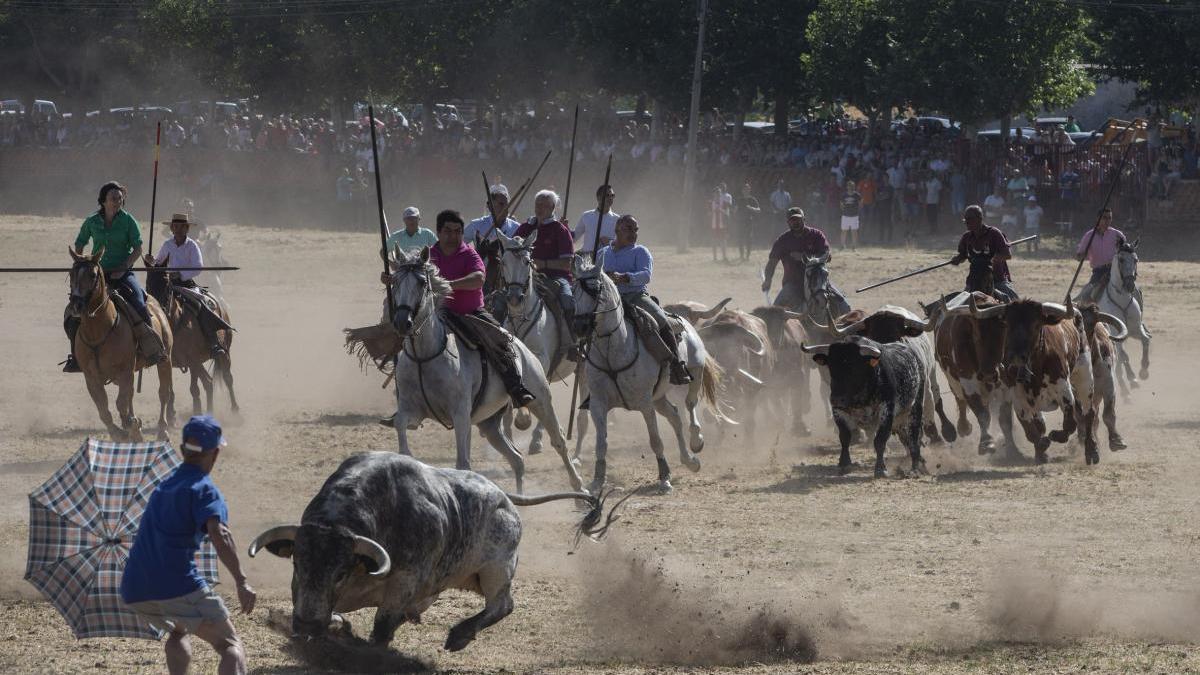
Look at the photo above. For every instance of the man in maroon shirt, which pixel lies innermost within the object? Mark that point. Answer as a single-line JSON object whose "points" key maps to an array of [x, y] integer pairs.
{"points": [[463, 268], [792, 248], [553, 250], [988, 250]]}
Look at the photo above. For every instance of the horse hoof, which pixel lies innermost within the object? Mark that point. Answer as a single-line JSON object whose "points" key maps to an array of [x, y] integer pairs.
{"points": [[881, 472], [1144, 375], [1116, 443], [535, 448], [1059, 436], [664, 487], [694, 464], [843, 469], [698, 444], [987, 447], [965, 430]]}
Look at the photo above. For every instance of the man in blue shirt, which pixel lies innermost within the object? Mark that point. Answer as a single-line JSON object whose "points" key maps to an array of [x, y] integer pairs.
{"points": [[482, 226], [161, 583], [630, 265]]}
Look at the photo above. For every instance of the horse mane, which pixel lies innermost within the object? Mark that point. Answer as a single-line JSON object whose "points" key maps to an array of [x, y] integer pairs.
{"points": [[437, 284]]}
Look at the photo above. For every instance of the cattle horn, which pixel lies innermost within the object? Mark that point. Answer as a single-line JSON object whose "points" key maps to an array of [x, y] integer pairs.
{"points": [[1053, 310], [852, 329], [750, 378], [925, 326], [817, 349], [985, 313], [762, 348], [280, 533], [371, 549], [1119, 325], [716, 309], [869, 350]]}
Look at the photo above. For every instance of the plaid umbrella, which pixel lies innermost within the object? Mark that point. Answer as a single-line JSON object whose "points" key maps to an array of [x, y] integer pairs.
{"points": [[81, 525]]}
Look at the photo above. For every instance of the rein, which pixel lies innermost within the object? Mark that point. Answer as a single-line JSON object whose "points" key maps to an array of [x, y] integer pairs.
{"points": [[410, 349], [524, 322], [612, 373], [100, 294]]}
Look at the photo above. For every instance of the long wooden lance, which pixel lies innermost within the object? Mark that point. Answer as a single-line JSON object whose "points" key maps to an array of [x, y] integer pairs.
{"points": [[1100, 214], [383, 228], [153, 201], [595, 245], [933, 267], [131, 269], [570, 165], [515, 202]]}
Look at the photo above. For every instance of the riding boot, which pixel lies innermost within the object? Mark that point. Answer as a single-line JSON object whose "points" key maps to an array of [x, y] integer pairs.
{"points": [[71, 326], [516, 390], [149, 343], [575, 351], [205, 318], [679, 369]]}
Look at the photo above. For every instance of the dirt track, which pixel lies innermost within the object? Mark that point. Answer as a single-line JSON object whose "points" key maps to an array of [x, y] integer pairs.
{"points": [[999, 568]]}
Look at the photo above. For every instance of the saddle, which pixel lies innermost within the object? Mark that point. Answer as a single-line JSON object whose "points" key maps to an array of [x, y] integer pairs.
{"points": [[647, 330], [199, 300]]}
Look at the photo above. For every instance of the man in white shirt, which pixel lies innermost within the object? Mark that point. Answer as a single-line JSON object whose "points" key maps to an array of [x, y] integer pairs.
{"points": [[482, 226], [182, 251], [585, 231], [781, 200], [1033, 219]]}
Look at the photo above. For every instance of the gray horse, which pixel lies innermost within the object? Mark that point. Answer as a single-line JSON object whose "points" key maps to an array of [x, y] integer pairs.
{"points": [[621, 373], [1122, 299], [533, 324], [437, 377]]}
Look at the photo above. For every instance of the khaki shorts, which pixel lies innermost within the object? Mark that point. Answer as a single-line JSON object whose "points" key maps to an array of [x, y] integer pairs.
{"points": [[183, 613]]}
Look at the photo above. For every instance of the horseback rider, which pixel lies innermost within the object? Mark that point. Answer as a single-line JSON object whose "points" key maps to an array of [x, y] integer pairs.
{"points": [[481, 227], [412, 236], [1105, 241], [585, 229], [552, 254], [986, 247], [114, 231], [793, 248], [463, 268], [630, 266], [182, 251]]}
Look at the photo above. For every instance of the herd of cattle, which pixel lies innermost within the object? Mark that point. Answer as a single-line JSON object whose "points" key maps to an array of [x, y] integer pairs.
{"points": [[879, 370]]}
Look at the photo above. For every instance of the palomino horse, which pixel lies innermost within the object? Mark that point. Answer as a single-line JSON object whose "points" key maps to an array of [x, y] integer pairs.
{"points": [[621, 373], [192, 349], [438, 377], [533, 324], [106, 352], [1121, 299]]}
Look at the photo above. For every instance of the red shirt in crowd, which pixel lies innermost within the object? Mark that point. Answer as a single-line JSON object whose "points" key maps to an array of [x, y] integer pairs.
{"points": [[456, 266], [554, 242]]}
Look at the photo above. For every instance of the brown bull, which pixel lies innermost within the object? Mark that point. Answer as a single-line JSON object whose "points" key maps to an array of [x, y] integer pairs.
{"points": [[969, 351], [696, 313], [1047, 365], [739, 343], [1104, 331], [788, 381]]}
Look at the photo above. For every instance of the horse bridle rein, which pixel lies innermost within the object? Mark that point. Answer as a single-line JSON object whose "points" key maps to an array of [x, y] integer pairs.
{"points": [[80, 264], [527, 285]]}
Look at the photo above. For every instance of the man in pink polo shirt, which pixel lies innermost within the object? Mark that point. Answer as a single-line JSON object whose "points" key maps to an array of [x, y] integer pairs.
{"points": [[1105, 241], [463, 268]]}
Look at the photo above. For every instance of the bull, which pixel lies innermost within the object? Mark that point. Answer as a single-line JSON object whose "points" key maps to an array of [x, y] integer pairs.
{"points": [[875, 387], [694, 312], [1104, 333], [788, 381], [389, 532], [896, 324], [1047, 365], [739, 343]]}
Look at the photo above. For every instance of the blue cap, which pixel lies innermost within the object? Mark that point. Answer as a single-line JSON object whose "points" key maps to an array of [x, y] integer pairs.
{"points": [[201, 433]]}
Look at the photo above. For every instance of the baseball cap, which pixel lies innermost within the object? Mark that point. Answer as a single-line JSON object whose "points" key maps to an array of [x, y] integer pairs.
{"points": [[498, 189], [202, 433], [411, 212], [795, 211]]}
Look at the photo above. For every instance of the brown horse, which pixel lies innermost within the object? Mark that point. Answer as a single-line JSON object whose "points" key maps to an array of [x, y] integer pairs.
{"points": [[192, 349], [106, 352]]}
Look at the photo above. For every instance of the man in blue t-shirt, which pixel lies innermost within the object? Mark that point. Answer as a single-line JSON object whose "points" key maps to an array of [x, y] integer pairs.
{"points": [[161, 582]]}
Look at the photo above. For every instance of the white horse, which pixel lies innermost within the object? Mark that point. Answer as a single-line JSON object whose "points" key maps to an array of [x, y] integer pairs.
{"points": [[1120, 299], [439, 378], [621, 373], [533, 324]]}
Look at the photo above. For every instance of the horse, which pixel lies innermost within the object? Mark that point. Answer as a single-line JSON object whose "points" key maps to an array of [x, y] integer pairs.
{"points": [[439, 377], [532, 323], [213, 255], [818, 291], [1121, 299], [621, 373], [105, 349], [191, 350]]}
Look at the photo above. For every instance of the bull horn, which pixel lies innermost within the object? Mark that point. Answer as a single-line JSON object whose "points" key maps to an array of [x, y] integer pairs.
{"points": [[986, 313], [280, 533], [1119, 325], [870, 350], [796, 315], [371, 549], [852, 329], [1053, 310], [817, 349], [750, 378], [762, 348], [710, 313], [925, 326]]}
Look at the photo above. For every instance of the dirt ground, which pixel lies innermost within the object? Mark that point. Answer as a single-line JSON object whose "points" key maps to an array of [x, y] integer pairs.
{"points": [[761, 558]]}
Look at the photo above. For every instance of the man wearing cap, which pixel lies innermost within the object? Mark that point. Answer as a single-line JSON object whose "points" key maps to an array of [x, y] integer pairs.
{"points": [[987, 245], [585, 229], [413, 236], [161, 583], [182, 251], [481, 227], [792, 248]]}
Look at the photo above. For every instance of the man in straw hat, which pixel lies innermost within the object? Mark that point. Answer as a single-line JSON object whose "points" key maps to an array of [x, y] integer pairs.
{"points": [[161, 583], [182, 251]]}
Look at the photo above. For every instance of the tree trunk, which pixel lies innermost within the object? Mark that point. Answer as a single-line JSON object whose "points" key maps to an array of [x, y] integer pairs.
{"points": [[781, 112], [739, 120], [1005, 127], [655, 121], [640, 108]]}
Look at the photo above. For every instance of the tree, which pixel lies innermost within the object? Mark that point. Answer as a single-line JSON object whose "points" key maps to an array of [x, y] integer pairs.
{"points": [[1156, 45]]}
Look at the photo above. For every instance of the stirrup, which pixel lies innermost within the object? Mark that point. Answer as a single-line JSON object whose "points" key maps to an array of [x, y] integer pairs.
{"points": [[70, 365], [521, 397], [679, 373]]}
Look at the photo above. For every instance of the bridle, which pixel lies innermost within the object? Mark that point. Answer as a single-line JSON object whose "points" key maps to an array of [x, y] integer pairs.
{"points": [[98, 294], [594, 288], [420, 272], [522, 319]]}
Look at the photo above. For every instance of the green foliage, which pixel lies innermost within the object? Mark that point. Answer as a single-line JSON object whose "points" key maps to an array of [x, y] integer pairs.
{"points": [[1157, 46]]}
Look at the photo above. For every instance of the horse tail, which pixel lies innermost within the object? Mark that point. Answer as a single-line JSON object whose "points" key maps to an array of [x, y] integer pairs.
{"points": [[710, 388]]}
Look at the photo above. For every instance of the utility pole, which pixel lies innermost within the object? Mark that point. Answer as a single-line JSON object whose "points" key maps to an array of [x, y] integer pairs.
{"points": [[689, 167]]}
